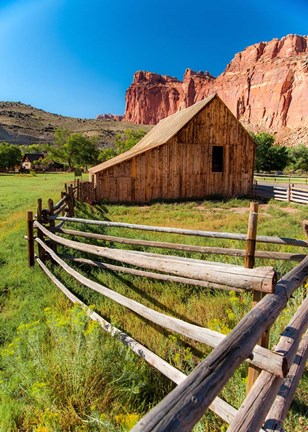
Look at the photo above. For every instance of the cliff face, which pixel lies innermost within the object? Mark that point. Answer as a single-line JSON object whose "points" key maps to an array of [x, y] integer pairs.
{"points": [[265, 86]]}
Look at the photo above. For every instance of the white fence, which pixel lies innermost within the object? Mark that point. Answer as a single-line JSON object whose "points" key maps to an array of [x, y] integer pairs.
{"points": [[290, 193]]}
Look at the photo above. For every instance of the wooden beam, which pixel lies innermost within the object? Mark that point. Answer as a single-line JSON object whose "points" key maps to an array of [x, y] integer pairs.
{"points": [[218, 406], [190, 248], [61, 202], [261, 357], [261, 278], [151, 275], [281, 405], [198, 233], [186, 404], [255, 407]]}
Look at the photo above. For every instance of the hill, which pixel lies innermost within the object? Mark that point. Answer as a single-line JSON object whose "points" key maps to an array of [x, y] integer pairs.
{"points": [[24, 124]]}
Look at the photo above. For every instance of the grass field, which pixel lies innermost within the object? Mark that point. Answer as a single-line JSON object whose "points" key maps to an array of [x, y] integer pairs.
{"points": [[59, 372]]}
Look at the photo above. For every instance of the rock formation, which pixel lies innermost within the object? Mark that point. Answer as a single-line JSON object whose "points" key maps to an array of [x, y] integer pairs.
{"points": [[265, 86], [113, 117]]}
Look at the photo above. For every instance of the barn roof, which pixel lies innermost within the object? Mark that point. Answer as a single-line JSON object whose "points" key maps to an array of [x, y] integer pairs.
{"points": [[158, 135]]}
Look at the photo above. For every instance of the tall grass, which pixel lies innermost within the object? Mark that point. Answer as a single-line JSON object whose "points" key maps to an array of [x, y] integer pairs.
{"points": [[59, 371]]}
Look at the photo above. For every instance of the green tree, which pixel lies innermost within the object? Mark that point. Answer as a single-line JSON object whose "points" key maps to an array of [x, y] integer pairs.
{"points": [[269, 157], [107, 154], [74, 149], [10, 155], [298, 157], [126, 140]]}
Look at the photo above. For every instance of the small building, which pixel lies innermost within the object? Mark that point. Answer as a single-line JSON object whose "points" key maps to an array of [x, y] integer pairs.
{"points": [[198, 152], [34, 161], [31, 159]]}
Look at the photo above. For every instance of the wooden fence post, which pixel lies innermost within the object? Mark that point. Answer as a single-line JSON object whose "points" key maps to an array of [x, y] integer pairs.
{"points": [[63, 194], [40, 235], [30, 239], [51, 221], [253, 372], [70, 200], [50, 213], [251, 235], [289, 192]]}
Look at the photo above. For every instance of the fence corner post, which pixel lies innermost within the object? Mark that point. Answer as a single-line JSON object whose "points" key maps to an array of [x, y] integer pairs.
{"points": [[30, 238]]}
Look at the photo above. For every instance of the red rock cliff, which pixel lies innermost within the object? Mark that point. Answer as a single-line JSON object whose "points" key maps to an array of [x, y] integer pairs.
{"points": [[265, 86]]}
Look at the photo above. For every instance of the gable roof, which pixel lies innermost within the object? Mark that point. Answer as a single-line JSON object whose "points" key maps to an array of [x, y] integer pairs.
{"points": [[32, 157], [158, 135]]}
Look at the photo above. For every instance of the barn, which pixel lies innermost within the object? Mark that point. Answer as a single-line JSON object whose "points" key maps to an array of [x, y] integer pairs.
{"points": [[198, 152]]}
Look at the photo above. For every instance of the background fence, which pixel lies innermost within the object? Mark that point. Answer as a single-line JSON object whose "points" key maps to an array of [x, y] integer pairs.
{"points": [[290, 193]]}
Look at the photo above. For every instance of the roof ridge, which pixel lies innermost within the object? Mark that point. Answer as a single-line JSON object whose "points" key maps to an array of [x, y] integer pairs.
{"points": [[158, 135]]}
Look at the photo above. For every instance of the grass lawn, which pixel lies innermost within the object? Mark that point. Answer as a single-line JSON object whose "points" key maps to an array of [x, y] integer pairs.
{"points": [[59, 372]]}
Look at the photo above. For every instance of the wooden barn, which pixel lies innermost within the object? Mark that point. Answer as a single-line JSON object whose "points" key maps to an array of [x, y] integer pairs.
{"points": [[198, 152]]}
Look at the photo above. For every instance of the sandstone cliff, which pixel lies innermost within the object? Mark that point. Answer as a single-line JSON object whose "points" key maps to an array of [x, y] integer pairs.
{"points": [[265, 86]]}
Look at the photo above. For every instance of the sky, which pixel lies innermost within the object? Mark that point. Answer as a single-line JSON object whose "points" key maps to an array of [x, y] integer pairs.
{"points": [[78, 57]]}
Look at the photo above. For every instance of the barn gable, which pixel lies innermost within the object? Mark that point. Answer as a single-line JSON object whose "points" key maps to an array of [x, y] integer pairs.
{"points": [[200, 151]]}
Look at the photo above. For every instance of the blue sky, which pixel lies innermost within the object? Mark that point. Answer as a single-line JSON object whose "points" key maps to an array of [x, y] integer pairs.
{"points": [[77, 57]]}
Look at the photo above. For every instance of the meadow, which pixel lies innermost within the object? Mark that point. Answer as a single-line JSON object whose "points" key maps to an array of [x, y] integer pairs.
{"points": [[60, 372]]}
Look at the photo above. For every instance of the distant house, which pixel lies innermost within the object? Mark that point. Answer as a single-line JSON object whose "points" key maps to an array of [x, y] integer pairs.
{"points": [[198, 152], [29, 159]]}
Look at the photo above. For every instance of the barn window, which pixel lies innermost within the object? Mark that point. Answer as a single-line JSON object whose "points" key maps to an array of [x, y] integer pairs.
{"points": [[217, 159]]}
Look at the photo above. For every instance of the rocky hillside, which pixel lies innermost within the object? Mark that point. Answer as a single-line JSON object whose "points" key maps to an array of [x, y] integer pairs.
{"points": [[23, 124], [265, 86]]}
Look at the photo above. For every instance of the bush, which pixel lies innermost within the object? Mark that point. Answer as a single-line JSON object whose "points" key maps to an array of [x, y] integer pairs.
{"points": [[64, 371]]}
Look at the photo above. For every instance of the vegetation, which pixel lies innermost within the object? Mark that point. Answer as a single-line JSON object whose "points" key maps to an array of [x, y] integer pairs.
{"points": [[298, 158], [124, 141], [73, 149], [60, 372], [269, 157], [10, 156]]}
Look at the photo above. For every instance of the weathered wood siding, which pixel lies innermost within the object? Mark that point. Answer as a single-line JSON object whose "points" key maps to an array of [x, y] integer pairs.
{"points": [[182, 168]]}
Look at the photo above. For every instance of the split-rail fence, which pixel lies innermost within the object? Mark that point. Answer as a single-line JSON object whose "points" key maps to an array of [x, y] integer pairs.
{"points": [[273, 374]]}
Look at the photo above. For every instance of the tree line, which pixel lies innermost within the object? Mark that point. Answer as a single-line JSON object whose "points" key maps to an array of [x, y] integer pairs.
{"points": [[272, 157], [75, 150]]}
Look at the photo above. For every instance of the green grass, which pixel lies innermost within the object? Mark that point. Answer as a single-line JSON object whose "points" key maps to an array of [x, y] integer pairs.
{"points": [[60, 372]]}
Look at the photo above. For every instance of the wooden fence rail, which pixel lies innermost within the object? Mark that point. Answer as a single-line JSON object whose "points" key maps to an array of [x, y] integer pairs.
{"points": [[185, 405], [189, 232], [182, 408]]}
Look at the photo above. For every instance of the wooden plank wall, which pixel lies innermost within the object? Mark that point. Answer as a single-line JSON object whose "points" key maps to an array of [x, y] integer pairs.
{"points": [[182, 168]]}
